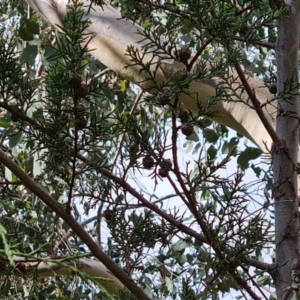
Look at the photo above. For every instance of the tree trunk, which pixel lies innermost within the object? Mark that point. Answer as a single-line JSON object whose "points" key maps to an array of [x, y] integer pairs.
{"points": [[285, 157]]}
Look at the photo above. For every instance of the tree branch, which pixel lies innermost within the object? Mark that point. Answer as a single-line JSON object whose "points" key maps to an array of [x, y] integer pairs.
{"points": [[153, 207], [257, 105], [69, 233], [78, 229]]}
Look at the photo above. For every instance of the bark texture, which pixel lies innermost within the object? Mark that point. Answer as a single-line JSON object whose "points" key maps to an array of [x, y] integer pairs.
{"points": [[285, 157]]}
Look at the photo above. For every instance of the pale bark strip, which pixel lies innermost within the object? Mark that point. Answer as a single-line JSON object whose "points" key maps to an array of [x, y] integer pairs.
{"points": [[112, 36], [285, 155], [49, 267]]}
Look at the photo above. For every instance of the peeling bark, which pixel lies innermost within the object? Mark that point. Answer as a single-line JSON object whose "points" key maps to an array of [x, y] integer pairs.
{"points": [[110, 39]]}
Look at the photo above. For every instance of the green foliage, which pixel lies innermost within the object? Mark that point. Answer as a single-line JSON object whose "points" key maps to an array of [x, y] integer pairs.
{"points": [[247, 155], [68, 122], [27, 30]]}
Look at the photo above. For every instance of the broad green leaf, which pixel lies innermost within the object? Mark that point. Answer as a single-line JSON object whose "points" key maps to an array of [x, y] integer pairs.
{"points": [[210, 135], [8, 174], [153, 259], [179, 246], [37, 168], [29, 54], [15, 139], [247, 155], [27, 29], [181, 260], [47, 54], [5, 121], [193, 137], [264, 280], [6, 205], [169, 284], [32, 26], [25, 34], [196, 148], [212, 152]]}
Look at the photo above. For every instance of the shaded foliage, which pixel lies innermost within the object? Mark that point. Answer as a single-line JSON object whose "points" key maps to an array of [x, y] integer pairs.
{"points": [[82, 133]]}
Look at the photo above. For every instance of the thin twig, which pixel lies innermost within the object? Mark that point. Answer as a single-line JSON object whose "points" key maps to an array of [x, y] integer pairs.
{"points": [[268, 45], [70, 232], [279, 3], [253, 282], [194, 59], [99, 74], [114, 160], [187, 193], [11, 182], [74, 159], [176, 12], [257, 106], [133, 108], [5, 134], [98, 226], [153, 207], [238, 13], [169, 218]]}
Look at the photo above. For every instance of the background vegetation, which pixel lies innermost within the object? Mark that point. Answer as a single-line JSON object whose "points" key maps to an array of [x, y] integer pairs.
{"points": [[143, 175]]}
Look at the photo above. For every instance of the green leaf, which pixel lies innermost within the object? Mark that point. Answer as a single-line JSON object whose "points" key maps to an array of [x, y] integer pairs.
{"points": [[5, 121], [193, 137], [182, 259], [29, 54], [15, 139], [169, 284], [6, 205], [212, 152], [123, 86], [161, 257], [27, 29], [179, 246], [247, 155], [234, 141], [37, 168], [153, 260], [257, 170], [264, 280], [227, 147], [32, 26], [210, 135], [196, 148], [25, 34], [48, 53]]}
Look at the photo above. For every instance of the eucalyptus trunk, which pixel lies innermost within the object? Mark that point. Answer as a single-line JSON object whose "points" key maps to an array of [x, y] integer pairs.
{"points": [[285, 156]]}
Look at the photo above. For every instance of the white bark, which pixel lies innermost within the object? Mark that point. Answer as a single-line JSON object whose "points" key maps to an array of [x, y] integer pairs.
{"points": [[285, 188], [110, 40]]}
